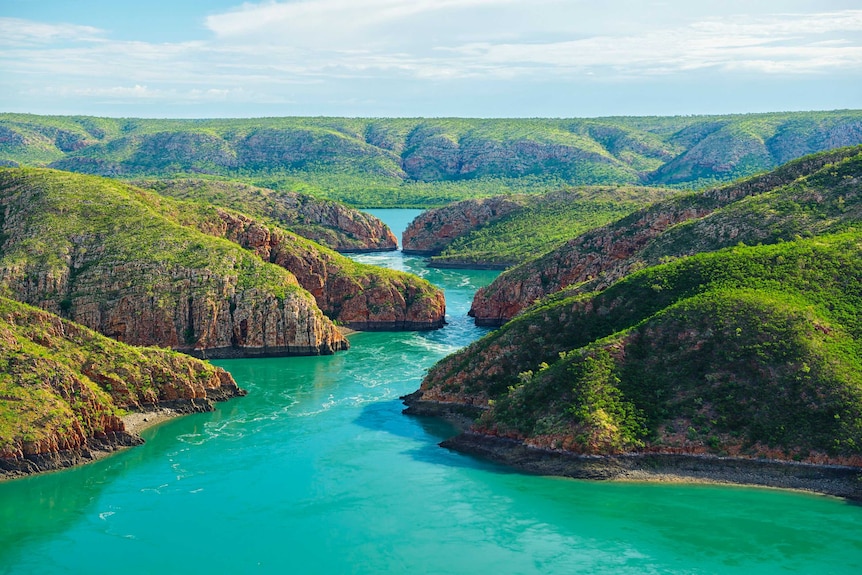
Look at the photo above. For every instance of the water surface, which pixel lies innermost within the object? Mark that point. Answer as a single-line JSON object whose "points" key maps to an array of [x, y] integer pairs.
{"points": [[317, 471]]}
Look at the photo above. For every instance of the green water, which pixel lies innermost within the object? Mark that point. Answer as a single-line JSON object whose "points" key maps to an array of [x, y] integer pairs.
{"points": [[317, 471]]}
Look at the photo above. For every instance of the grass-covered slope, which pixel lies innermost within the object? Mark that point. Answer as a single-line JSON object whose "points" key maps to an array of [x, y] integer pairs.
{"points": [[504, 231], [63, 388], [95, 251], [748, 351], [815, 194], [326, 222], [428, 162], [356, 295]]}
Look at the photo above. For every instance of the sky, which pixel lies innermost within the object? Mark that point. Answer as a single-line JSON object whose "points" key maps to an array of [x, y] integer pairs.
{"points": [[433, 58]]}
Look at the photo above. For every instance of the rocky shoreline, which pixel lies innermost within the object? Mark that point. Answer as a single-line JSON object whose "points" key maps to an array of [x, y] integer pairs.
{"points": [[106, 444], [834, 480]]}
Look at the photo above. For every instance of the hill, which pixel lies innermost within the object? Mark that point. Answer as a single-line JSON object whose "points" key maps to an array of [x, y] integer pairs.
{"points": [[813, 195], [416, 162], [137, 266], [325, 222], [503, 231], [748, 352], [64, 388]]}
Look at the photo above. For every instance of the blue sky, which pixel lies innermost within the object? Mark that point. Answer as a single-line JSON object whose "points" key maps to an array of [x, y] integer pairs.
{"points": [[488, 58]]}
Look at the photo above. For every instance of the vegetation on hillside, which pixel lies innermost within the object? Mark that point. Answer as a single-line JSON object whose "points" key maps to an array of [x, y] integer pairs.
{"points": [[813, 195], [746, 351], [99, 253], [545, 222], [416, 162], [62, 384], [326, 222]]}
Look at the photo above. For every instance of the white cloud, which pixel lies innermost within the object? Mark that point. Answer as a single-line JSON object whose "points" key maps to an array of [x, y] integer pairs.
{"points": [[16, 32], [270, 51]]}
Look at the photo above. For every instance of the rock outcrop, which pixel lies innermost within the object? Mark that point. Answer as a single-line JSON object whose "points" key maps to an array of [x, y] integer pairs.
{"points": [[356, 296], [62, 387], [504, 231], [601, 256], [434, 229], [97, 253], [747, 352], [326, 222]]}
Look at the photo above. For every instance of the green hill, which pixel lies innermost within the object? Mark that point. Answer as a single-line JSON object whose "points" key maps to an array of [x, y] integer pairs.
{"points": [[325, 222], [508, 230], [813, 195], [151, 270], [64, 388], [427, 162], [748, 351]]}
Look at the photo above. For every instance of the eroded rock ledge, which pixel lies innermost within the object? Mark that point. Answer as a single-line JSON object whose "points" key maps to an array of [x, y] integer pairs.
{"points": [[837, 480]]}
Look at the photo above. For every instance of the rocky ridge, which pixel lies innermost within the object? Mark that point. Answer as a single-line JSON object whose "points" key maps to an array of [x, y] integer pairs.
{"points": [[93, 251], [366, 160], [325, 222], [745, 353], [356, 296], [64, 388], [433, 230], [504, 231], [599, 257]]}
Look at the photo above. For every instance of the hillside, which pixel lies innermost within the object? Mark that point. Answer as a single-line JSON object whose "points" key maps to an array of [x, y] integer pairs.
{"points": [[503, 231], [813, 195], [416, 162], [150, 270], [325, 222], [95, 252], [749, 352], [357, 296], [64, 388]]}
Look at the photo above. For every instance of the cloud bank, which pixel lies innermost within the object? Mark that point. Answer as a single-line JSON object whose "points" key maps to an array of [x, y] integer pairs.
{"points": [[267, 52]]}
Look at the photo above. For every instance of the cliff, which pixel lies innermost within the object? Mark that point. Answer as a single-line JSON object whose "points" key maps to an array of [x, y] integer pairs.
{"points": [[762, 209], [64, 388], [326, 222], [435, 229], [97, 253], [748, 352], [358, 296], [503, 231]]}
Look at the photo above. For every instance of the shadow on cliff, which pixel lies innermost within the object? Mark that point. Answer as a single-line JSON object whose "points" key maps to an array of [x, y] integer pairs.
{"points": [[426, 433]]}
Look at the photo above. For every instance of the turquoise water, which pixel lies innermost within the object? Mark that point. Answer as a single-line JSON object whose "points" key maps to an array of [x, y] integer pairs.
{"points": [[317, 471]]}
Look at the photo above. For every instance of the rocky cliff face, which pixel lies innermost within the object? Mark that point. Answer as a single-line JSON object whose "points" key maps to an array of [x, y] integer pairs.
{"points": [[601, 256], [326, 222], [359, 297], [433, 230], [745, 352], [61, 386], [95, 252]]}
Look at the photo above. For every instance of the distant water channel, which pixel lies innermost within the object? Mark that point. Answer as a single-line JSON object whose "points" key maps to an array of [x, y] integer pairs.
{"points": [[317, 471]]}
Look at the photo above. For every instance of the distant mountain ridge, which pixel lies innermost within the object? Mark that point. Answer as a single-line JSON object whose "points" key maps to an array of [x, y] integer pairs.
{"points": [[419, 161]]}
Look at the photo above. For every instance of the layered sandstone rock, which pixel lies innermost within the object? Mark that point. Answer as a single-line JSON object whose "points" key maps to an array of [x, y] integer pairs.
{"points": [[96, 252], [62, 386], [326, 222], [357, 296], [601, 256], [433, 230]]}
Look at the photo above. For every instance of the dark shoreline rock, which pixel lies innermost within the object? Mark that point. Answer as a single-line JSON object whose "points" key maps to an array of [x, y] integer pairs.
{"points": [[395, 325], [835, 480], [264, 351], [111, 442]]}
